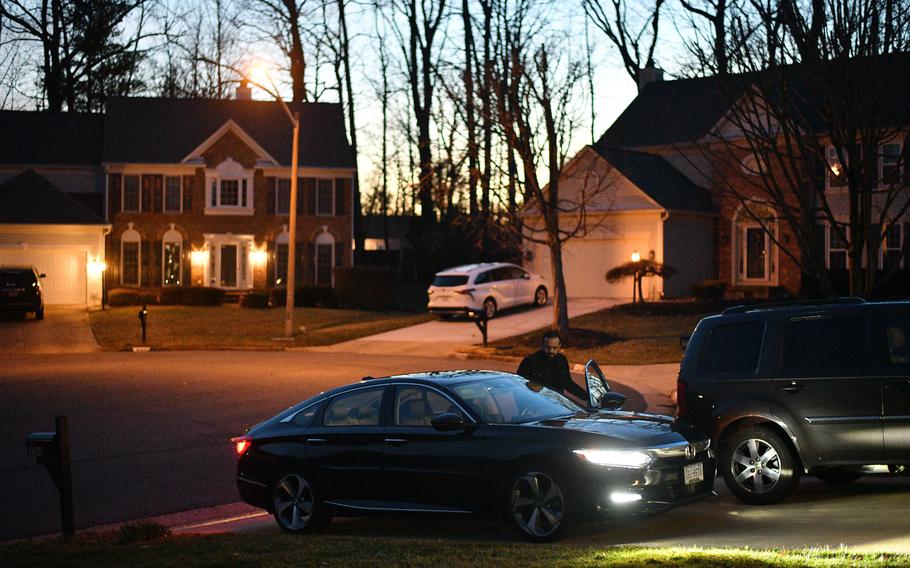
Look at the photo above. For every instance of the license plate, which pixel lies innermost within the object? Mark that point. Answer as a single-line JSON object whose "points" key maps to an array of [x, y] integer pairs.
{"points": [[11, 293], [694, 473]]}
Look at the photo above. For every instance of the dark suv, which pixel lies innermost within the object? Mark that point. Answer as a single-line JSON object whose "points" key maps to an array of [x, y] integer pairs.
{"points": [[820, 388], [20, 290]]}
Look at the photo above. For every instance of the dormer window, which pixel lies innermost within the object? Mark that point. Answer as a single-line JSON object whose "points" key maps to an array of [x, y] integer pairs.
{"points": [[229, 189]]}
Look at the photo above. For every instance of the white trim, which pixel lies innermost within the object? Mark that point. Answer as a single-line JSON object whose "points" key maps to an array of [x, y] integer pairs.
{"points": [[739, 226], [232, 126], [213, 244]]}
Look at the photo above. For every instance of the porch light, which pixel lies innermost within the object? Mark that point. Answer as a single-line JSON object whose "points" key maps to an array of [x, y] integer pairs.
{"points": [[258, 257], [199, 257], [635, 256], [96, 267]]}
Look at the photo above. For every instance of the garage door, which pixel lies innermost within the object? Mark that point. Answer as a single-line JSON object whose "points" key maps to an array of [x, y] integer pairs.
{"points": [[585, 265], [64, 269]]}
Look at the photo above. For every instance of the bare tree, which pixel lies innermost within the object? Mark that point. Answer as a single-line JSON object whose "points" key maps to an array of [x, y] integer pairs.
{"points": [[633, 35], [282, 21]]}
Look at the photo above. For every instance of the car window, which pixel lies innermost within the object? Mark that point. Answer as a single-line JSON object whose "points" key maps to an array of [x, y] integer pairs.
{"points": [[890, 339], [17, 278], [359, 408], [305, 416], [825, 342], [517, 273], [733, 348], [449, 281], [417, 406], [514, 400], [484, 277]]}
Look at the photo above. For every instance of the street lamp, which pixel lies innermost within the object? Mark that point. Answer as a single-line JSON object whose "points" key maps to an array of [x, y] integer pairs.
{"points": [[261, 73]]}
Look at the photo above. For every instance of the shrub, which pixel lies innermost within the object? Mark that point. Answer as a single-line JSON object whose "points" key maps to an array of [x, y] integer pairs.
{"points": [[256, 299], [192, 296], [307, 297], [144, 530], [709, 289], [131, 296], [366, 287]]}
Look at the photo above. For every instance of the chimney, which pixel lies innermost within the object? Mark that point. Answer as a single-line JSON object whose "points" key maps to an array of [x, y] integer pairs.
{"points": [[649, 74], [244, 92]]}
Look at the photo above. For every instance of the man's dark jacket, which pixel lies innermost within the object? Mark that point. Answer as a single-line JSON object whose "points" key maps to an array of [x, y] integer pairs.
{"points": [[552, 373]]}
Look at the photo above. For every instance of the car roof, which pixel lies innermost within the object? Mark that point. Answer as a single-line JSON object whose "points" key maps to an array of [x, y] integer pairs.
{"points": [[469, 268], [805, 307], [446, 378]]}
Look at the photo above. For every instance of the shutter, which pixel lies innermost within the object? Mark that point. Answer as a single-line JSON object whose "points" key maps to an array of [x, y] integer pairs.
{"points": [[309, 185], [112, 257], [188, 184], [270, 192], [144, 264], [339, 254], [156, 270], [271, 249], [186, 267], [310, 271], [158, 193], [342, 190], [145, 194], [302, 268], [114, 189], [820, 242], [904, 244], [905, 157]]}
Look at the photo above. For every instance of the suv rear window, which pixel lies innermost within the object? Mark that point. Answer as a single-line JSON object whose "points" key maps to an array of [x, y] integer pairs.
{"points": [[446, 281], [825, 342], [16, 278], [733, 348]]}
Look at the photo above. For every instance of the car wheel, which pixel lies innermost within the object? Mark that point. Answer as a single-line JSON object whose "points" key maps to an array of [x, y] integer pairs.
{"points": [[835, 475], [296, 504], [540, 296], [759, 466], [538, 505], [489, 308], [39, 314]]}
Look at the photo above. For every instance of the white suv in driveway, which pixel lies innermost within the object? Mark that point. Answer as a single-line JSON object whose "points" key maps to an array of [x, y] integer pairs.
{"points": [[487, 288]]}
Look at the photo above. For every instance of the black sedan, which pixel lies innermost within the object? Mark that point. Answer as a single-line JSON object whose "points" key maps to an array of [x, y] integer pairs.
{"points": [[481, 443]]}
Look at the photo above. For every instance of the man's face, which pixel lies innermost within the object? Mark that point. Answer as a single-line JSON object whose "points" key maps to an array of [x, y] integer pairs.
{"points": [[551, 347]]}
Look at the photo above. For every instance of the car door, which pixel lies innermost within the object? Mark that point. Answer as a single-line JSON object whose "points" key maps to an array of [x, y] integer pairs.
{"points": [[524, 287], [430, 469], [503, 287], [890, 339], [345, 448], [825, 384]]}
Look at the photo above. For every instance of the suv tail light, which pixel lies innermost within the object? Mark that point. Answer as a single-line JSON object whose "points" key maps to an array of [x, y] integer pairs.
{"points": [[682, 405], [242, 444]]}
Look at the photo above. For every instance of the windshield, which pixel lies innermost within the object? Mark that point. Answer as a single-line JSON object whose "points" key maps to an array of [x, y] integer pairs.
{"points": [[514, 400], [449, 280]]}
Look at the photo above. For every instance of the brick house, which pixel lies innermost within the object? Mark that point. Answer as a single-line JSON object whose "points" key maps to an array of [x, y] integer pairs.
{"points": [[662, 175], [196, 192]]}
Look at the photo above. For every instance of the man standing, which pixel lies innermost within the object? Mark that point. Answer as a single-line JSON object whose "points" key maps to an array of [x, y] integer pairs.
{"points": [[550, 368]]}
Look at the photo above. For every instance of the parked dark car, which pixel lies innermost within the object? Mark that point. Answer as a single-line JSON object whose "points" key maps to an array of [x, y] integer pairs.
{"points": [[810, 387], [480, 443], [20, 291]]}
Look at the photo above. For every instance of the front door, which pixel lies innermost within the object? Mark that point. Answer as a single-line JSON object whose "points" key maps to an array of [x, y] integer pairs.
{"points": [[756, 255], [228, 266]]}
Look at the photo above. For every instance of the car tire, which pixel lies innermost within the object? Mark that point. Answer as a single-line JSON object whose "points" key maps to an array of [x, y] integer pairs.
{"points": [[490, 308], [39, 314], [538, 504], [836, 475], [540, 296], [296, 504], [759, 466]]}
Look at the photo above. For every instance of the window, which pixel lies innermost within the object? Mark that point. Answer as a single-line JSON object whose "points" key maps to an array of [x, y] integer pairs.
{"points": [[485, 277], [836, 176], [837, 248], [305, 416], [171, 246], [131, 194], [282, 196], [129, 257], [173, 196], [325, 197], [450, 281], [229, 195], [891, 245], [820, 342], [755, 256], [417, 406], [892, 339], [889, 164], [358, 408], [733, 348], [229, 190], [513, 400], [325, 257]]}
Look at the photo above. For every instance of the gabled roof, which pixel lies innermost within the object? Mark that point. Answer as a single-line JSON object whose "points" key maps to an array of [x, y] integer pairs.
{"points": [[58, 138], [29, 199], [658, 179], [152, 130]]}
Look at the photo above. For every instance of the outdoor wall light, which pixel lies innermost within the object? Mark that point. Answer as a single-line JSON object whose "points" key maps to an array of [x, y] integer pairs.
{"points": [[199, 257], [258, 257], [635, 256], [96, 267]]}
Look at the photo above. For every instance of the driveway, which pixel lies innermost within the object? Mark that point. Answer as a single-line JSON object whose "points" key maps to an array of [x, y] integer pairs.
{"points": [[442, 338], [65, 329]]}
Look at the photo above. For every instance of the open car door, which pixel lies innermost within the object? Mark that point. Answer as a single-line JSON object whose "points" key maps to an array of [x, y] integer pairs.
{"points": [[600, 397]]}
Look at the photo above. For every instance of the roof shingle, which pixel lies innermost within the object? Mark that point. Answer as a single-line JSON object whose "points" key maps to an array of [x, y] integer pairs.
{"points": [[29, 199]]}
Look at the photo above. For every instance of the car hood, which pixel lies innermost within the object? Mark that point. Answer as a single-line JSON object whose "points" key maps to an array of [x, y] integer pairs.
{"points": [[626, 428]]}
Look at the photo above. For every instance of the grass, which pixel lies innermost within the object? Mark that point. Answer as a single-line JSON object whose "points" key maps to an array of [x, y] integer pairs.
{"points": [[284, 550], [181, 327], [627, 334]]}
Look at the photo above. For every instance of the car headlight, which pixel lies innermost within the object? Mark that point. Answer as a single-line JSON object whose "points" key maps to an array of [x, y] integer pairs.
{"points": [[615, 458]]}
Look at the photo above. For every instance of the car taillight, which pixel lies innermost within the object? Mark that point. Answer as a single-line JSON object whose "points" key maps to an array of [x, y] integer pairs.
{"points": [[681, 402], [241, 444]]}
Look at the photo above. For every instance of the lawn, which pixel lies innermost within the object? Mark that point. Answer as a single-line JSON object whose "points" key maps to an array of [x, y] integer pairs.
{"points": [[285, 550], [182, 327], [627, 334]]}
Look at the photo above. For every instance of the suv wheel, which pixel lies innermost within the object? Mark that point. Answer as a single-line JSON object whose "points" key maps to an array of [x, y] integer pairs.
{"points": [[540, 296], [39, 314], [489, 307], [759, 466]]}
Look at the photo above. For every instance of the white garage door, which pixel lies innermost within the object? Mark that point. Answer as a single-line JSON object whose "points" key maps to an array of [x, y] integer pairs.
{"points": [[585, 265], [64, 268]]}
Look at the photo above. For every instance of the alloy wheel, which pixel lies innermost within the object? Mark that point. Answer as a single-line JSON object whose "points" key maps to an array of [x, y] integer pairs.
{"points": [[489, 308], [294, 502], [540, 296], [755, 465], [538, 504]]}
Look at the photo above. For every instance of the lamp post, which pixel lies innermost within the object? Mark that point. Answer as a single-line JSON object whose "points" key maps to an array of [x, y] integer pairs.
{"points": [[292, 214]]}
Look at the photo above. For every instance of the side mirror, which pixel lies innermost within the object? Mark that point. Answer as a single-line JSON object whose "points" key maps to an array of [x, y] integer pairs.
{"points": [[448, 421], [42, 275], [612, 400], [684, 341]]}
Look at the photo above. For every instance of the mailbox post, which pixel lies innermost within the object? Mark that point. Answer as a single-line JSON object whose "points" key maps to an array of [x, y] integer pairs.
{"points": [[480, 320], [52, 449], [143, 318]]}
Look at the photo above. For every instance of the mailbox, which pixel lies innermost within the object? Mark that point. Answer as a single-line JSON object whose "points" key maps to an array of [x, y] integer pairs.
{"points": [[52, 450], [43, 445], [480, 320]]}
